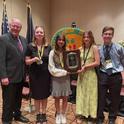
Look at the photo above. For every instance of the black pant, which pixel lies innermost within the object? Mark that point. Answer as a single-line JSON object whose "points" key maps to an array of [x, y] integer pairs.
{"points": [[121, 107], [113, 85], [12, 97]]}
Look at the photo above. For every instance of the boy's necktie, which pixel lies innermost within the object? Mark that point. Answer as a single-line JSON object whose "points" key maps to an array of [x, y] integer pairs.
{"points": [[107, 57]]}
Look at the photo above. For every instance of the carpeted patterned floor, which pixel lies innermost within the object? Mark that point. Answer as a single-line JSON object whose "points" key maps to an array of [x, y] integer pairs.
{"points": [[50, 112], [30, 113]]}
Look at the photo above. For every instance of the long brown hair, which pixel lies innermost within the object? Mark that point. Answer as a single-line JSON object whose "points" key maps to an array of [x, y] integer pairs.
{"points": [[90, 34], [56, 40]]}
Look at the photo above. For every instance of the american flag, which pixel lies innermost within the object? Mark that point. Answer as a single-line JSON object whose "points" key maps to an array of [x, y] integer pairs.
{"points": [[4, 26]]}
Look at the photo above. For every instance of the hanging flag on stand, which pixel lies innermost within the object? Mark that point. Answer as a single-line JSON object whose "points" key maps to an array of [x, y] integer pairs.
{"points": [[29, 37], [30, 29], [4, 26]]}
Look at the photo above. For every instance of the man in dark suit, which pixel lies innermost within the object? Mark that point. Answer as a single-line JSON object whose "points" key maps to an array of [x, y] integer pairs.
{"points": [[12, 53]]}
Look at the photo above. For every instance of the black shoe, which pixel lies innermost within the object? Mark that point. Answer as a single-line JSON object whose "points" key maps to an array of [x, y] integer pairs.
{"points": [[99, 122], [90, 119], [121, 114], [81, 117], [21, 119], [111, 122], [38, 118], [4, 122], [44, 119], [41, 118]]}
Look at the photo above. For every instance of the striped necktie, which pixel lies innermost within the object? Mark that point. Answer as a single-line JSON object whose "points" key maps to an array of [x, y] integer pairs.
{"points": [[20, 47], [107, 57]]}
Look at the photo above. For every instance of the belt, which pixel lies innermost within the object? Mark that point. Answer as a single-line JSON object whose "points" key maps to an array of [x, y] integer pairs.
{"points": [[113, 74]]}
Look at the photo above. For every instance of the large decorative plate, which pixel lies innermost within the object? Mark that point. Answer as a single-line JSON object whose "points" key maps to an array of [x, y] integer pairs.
{"points": [[73, 37]]}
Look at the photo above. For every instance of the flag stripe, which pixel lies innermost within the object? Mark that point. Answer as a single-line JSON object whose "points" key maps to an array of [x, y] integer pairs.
{"points": [[4, 26]]}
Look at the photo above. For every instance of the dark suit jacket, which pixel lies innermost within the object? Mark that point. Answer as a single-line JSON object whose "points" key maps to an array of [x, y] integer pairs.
{"points": [[11, 58]]}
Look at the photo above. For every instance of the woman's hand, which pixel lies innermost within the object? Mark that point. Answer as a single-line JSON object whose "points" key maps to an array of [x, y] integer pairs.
{"points": [[81, 70], [30, 60], [122, 82], [35, 59], [5, 81]]}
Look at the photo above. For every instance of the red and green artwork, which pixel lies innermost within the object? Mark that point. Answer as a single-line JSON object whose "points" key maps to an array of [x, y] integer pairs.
{"points": [[73, 37]]}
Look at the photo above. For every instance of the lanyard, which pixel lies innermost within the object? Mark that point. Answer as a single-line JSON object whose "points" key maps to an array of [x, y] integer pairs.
{"points": [[61, 59], [40, 52], [85, 57]]}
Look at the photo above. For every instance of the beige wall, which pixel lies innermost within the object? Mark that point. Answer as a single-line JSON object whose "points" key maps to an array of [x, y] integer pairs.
{"points": [[89, 15], [40, 13], [55, 14]]}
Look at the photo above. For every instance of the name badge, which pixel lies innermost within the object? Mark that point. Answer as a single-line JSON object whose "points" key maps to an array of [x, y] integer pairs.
{"points": [[108, 64]]}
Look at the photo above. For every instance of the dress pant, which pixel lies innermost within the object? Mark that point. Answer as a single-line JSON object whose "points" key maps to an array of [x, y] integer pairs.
{"points": [[12, 97], [112, 84], [121, 107]]}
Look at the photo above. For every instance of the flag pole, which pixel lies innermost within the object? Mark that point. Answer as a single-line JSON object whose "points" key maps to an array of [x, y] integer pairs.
{"points": [[4, 2], [29, 37]]}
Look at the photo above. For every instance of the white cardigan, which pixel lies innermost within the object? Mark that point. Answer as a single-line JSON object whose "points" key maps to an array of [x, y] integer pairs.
{"points": [[56, 72]]}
